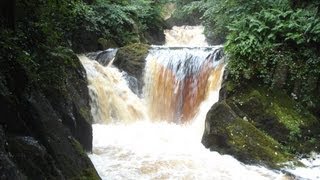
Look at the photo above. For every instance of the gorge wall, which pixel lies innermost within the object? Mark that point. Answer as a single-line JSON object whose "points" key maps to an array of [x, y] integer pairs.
{"points": [[45, 118]]}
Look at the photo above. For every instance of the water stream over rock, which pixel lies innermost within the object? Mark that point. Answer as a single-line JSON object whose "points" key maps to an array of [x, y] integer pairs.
{"points": [[157, 135]]}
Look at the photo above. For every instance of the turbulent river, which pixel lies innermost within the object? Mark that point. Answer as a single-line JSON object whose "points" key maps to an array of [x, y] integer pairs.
{"points": [[157, 134]]}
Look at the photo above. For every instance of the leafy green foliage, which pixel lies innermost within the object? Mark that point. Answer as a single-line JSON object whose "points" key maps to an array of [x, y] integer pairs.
{"points": [[46, 30], [187, 12], [260, 43], [218, 14], [79, 25], [128, 20]]}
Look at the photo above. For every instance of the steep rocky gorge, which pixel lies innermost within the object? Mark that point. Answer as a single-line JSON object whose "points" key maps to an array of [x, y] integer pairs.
{"points": [[46, 119]]}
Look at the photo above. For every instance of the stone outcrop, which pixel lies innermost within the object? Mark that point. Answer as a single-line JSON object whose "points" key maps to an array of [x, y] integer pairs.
{"points": [[259, 125], [228, 133], [131, 59], [45, 118]]}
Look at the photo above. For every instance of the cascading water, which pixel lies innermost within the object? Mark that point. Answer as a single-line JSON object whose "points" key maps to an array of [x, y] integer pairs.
{"points": [[158, 136], [177, 80], [111, 99], [186, 36]]}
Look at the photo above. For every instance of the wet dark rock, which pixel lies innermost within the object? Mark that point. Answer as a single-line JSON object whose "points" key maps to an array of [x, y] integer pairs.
{"points": [[103, 57], [259, 125], [44, 115], [131, 59], [182, 20], [107, 43], [155, 35], [227, 133], [68, 155], [33, 158], [8, 169], [85, 41], [133, 83]]}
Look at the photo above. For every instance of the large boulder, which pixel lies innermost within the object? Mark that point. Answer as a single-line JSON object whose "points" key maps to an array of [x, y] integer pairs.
{"points": [[44, 105], [131, 59], [259, 125], [63, 81], [227, 133]]}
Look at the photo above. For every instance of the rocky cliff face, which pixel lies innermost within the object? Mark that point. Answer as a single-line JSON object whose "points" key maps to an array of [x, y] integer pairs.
{"points": [[259, 125], [45, 118]]}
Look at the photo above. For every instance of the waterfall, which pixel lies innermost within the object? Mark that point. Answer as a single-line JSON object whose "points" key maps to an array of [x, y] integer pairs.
{"points": [[111, 98], [186, 36], [177, 80], [157, 135]]}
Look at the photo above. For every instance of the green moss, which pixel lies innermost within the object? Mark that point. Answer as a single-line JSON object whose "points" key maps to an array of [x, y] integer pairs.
{"points": [[289, 118], [287, 110], [87, 174], [86, 113], [278, 115], [131, 59], [246, 139], [228, 133], [137, 51], [77, 147], [280, 105], [230, 86], [53, 71], [106, 44]]}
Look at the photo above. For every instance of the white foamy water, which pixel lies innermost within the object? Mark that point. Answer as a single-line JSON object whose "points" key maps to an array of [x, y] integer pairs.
{"points": [[311, 169], [161, 150], [185, 36], [128, 144], [145, 150]]}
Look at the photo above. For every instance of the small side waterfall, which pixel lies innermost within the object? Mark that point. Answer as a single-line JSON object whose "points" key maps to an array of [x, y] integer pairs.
{"points": [[111, 98]]}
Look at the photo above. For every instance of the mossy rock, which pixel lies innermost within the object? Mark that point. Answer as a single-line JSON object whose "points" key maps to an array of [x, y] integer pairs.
{"points": [[107, 43], [131, 59], [62, 79], [87, 174], [228, 133], [278, 115], [258, 111]]}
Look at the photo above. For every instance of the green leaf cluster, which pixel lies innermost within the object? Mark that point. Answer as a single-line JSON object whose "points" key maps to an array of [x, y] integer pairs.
{"points": [[72, 23], [272, 40], [128, 20]]}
